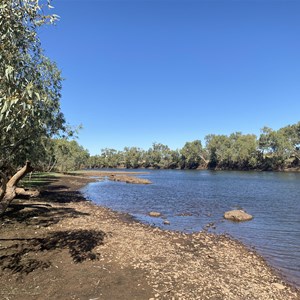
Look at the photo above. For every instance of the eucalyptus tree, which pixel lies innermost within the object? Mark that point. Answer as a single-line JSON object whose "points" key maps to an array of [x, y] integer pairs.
{"points": [[132, 157], [280, 148], [236, 151], [292, 135], [159, 156], [110, 158], [192, 155], [217, 147], [69, 155], [243, 151], [30, 87]]}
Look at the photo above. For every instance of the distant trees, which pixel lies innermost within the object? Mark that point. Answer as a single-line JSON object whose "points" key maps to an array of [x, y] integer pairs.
{"points": [[68, 155], [280, 149], [236, 151], [132, 157], [193, 155], [273, 150]]}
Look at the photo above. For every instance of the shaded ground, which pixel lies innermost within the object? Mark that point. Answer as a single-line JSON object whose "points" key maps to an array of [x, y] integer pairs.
{"points": [[61, 246]]}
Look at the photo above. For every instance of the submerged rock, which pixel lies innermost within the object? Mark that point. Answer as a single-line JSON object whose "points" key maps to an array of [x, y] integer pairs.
{"points": [[154, 214], [237, 215], [129, 179]]}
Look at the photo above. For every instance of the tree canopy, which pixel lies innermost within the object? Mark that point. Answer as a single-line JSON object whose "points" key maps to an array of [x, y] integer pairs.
{"points": [[30, 83], [30, 87]]}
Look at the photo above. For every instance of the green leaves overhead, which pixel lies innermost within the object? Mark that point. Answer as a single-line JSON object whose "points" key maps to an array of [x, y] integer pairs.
{"points": [[30, 84]]}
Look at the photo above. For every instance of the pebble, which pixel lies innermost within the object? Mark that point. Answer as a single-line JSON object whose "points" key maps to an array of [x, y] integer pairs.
{"points": [[278, 286]]}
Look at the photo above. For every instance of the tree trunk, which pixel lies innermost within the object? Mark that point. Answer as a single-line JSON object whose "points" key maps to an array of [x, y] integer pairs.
{"points": [[205, 161], [3, 185], [8, 189]]}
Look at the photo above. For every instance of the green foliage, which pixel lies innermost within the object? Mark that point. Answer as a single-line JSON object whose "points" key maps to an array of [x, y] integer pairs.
{"points": [[236, 151], [192, 155], [274, 150], [159, 156], [68, 155], [132, 157], [30, 83], [280, 149]]}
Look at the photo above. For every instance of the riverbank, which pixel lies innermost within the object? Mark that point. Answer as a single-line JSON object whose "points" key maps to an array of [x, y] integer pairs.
{"points": [[60, 246]]}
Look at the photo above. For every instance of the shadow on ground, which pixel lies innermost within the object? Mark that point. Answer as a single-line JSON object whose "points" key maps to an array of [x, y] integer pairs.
{"points": [[58, 194], [19, 255], [30, 218], [35, 212]]}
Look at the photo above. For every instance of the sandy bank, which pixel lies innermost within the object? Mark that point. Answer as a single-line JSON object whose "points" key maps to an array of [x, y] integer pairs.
{"points": [[63, 247]]}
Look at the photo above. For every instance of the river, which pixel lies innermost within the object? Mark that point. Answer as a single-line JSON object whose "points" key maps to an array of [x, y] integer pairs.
{"points": [[196, 200]]}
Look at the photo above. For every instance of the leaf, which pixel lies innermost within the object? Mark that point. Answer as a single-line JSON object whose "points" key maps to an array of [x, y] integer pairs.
{"points": [[8, 71], [5, 107], [38, 96], [8, 127]]}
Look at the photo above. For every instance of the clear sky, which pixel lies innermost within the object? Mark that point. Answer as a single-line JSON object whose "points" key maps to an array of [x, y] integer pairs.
{"points": [[139, 72]]}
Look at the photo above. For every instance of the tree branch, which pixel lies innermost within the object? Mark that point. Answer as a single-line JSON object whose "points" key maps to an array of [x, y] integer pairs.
{"points": [[10, 190]]}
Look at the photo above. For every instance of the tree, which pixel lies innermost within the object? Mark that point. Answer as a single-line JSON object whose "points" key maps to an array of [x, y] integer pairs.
{"points": [[110, 158], [69, 155], [132, 157], [243, 151], [280, 148], [30, 87], [236, 151], [159, 156], [193, 155], [217, 147]]}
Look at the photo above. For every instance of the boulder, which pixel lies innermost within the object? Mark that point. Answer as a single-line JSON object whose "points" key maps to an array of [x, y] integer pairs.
{"points": [[237, 215], [154, 214]]}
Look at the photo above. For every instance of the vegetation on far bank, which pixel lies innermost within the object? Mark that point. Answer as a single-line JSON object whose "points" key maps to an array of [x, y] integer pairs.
{"points": [[272, 150]]}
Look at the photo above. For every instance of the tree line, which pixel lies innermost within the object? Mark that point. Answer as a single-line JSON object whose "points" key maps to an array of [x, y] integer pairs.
{"points": [[273, 150]]}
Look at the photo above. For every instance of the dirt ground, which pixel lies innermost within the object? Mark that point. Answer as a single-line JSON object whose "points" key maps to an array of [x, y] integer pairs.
{"points": [[61, 246]]}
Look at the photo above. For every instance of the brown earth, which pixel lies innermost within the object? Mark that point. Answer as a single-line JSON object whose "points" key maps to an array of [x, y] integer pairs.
{"points": [[60, 246]]}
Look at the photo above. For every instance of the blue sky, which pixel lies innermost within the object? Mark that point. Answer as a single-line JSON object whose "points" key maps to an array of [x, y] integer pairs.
{"points": [[139, 72]]}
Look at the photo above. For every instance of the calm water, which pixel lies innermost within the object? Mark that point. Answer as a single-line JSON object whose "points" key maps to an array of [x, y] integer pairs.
{"points": [[192, 199]]}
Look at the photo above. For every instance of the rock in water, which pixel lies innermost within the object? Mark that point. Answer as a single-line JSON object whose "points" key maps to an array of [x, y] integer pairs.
{"points": [[154, 214], [237, 215]]}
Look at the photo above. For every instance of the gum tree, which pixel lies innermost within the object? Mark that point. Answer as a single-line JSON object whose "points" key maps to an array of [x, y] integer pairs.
{"points": [[30, 87], [193, 155]]}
